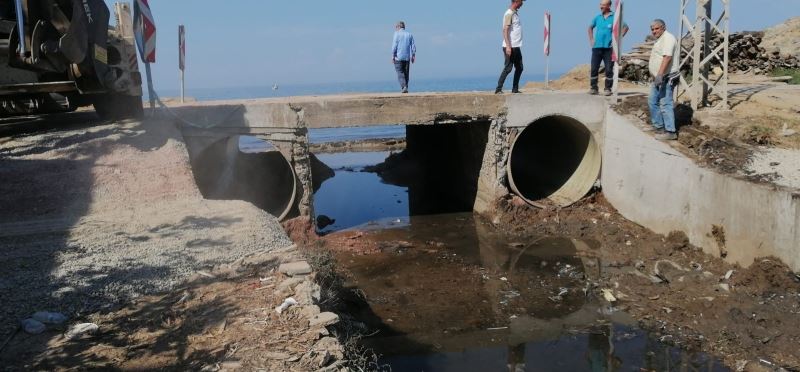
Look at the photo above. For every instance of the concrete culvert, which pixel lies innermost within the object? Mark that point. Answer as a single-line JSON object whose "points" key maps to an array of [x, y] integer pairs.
{"points": [[265, 178], [554, 158]]}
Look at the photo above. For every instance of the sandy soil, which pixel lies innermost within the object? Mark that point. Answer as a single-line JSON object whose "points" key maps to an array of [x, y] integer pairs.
{"points": [[784, 36], [573, 80]]}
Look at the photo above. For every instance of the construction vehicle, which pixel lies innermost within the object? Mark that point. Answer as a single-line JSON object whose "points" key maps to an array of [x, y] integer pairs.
{"points": [[59, 55]]}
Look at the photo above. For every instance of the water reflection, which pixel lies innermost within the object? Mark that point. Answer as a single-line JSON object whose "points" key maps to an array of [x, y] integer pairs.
{"points": [[452, 294], [353, 197]]}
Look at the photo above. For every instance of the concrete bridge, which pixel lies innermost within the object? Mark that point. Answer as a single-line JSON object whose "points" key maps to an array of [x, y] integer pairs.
{"points": [[547, 146]]}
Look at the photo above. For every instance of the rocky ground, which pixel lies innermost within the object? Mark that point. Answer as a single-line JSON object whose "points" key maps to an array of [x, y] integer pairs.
{"points": [[103, 223]]}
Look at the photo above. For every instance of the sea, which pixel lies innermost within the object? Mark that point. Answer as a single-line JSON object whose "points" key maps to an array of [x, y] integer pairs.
{"points": [[484, 83]]}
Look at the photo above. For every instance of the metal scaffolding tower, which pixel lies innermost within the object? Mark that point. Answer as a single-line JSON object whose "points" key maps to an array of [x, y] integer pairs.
{"points": [[705, 83]]}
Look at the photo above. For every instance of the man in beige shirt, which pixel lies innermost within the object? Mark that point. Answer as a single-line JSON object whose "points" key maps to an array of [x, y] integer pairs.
{"points": [[664, 70]]}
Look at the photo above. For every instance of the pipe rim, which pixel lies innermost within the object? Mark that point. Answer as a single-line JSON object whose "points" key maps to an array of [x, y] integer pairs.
{"points": [[579, 183]]}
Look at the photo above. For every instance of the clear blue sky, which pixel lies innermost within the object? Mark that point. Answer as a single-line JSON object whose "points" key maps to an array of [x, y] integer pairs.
{"points": [[256, 42]]}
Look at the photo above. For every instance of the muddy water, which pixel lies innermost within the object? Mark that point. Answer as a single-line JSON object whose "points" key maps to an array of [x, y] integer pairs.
{"points": [[448, 292]]}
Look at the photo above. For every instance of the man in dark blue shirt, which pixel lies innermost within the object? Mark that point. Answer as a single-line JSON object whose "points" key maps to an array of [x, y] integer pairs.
{"points": [[404, 53], [600, 38]]}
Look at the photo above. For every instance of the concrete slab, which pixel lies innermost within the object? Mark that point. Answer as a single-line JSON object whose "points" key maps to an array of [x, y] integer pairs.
{"points": [[656, 186], [344, 110]]}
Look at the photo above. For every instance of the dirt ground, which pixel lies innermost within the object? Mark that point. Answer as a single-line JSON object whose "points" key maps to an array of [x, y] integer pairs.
{"points": [[749, 315]]}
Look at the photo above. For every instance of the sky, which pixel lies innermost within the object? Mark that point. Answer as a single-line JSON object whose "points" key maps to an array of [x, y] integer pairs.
{"points": [[241, 43]]}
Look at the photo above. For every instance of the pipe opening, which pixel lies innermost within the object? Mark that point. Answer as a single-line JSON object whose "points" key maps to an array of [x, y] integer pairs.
{"points": [[436, 173], [246, 168], [554, 158]]}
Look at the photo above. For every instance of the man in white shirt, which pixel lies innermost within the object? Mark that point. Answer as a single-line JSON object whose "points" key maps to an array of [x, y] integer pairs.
{"points": [[665, 73], [512, 44]]}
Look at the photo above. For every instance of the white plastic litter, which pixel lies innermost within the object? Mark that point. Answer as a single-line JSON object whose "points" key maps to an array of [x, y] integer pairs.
{"points": [[285, 305], [81, 329]]}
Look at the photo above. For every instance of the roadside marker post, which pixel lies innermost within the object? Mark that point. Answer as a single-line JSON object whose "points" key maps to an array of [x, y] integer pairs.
{"points": [[547, 50], [182, 58], [144, 28], [616, 44]]}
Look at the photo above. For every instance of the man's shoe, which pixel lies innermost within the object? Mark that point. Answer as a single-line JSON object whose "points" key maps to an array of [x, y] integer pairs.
{"points": [[651, 128], [667, 136], [593, 91], [499, 91], [405, 91], [608, 92], [515, 91]]}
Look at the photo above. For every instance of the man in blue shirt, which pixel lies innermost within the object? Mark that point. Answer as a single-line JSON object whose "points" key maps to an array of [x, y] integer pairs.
{"points": [[404, 53], [600, 38]]}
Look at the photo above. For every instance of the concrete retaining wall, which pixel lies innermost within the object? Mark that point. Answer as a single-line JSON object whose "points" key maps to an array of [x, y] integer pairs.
{"points": [[654, 185]]}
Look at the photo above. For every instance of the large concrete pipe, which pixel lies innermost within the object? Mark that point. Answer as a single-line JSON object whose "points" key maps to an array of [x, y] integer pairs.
{"points": [[554, 158], [223, 172]]}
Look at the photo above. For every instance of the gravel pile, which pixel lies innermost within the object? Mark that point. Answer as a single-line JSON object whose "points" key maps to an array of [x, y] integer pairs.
{"points": [[93, 217]]}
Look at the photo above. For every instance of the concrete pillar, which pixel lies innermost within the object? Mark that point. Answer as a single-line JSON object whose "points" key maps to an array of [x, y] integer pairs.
{"points": [[492, 179]]}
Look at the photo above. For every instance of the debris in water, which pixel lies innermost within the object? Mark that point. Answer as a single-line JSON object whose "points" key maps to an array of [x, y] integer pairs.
{"points": [[608, 295], [728, 274]]}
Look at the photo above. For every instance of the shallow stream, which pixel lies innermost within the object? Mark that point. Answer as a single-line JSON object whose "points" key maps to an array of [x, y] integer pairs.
{"points": [[448, 292]]}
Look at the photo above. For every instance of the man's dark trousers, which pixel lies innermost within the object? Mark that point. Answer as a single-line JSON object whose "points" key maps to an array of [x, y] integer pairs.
{"points": [[602, 55], [403, 68], [515, 61]]}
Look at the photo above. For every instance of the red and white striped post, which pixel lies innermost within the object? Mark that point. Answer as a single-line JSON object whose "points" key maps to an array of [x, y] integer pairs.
{"points": [[182, 58], [547, 49], [616, 44], [144, 28]]}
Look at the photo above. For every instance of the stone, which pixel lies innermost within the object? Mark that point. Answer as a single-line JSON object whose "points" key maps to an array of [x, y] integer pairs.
{"points": [[295, 268], [310, 311], [230, 365], [324, 319], [33, 326], [276, 355], [332, 346], [307, 293], [47, 317], [290, 284]]}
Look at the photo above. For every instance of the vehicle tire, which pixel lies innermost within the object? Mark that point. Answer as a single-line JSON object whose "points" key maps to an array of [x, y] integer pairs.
{"points": [[118, 106]]}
